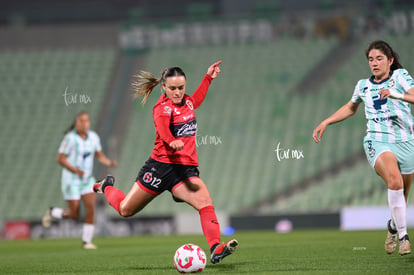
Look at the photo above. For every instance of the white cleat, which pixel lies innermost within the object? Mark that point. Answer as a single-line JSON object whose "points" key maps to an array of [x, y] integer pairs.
{"points": [[89, 246], [405, 246], [47, 219], [391, 241]]}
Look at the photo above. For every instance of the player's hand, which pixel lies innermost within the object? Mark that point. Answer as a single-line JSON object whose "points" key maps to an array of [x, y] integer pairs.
{"points": [[385, 93], [79, 172], [214, 69], [318, 132], [177, 144], [113, 163]]}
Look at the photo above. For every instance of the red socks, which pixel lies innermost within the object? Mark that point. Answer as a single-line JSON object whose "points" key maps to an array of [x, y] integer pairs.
{"points": [[114, 197], [210, 225]]}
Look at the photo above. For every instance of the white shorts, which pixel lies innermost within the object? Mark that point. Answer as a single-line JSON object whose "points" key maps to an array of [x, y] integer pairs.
{"points": [[74, 191], [404, 151]]}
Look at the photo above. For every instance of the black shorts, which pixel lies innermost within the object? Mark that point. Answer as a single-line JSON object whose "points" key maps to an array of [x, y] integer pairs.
{"points": [[155, 177]]}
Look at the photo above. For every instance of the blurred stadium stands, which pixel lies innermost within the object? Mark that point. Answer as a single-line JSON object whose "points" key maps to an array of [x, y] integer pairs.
{"points": [[41, 92], [251, 110]]}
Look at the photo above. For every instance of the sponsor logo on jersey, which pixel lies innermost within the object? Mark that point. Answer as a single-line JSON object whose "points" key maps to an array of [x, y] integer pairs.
{"points": [[378, 102], [85, 155], [382, 119], [188, 117], [188, 128]]}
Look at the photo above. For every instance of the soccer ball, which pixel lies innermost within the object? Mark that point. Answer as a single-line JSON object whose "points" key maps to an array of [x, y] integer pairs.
{"points": [[190, 258]]}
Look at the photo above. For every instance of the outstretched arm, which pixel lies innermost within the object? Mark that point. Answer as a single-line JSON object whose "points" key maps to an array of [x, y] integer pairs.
{"points": [[342, 113], [212, 72]]}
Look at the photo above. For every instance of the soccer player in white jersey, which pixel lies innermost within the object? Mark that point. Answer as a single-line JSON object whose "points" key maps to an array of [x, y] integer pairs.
{"points": [[76, 155], [389, 142]]}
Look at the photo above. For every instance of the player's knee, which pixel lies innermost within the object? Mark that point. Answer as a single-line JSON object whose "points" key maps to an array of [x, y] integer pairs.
{"points": [[126, 212], [394, 181]]}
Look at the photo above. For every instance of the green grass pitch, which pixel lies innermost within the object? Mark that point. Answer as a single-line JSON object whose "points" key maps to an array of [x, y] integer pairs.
{"points": [[259, 252]]}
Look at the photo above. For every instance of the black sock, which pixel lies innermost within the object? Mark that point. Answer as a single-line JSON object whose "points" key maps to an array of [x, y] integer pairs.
{"points": [[213, 247]]}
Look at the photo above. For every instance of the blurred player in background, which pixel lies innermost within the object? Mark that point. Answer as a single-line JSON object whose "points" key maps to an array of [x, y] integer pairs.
{"points": [[76, 155], [389, 142], [173, 164]]}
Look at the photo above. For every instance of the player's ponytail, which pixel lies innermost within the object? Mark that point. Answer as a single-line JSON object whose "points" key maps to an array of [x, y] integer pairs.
{"points": [[146, 82], [144, 85], [396, 64], [386, 49], [73, 125]]}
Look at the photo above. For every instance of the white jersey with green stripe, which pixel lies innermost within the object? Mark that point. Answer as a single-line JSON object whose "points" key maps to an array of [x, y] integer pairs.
{"points": [[388, 120], [79, 153]]}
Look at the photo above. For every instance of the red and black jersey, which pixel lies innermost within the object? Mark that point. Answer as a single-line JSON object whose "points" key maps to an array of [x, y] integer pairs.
{"points": [[178, 121]]}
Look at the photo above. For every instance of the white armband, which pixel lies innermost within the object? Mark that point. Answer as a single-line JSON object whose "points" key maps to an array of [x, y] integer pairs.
{"points": [[396, 95]]}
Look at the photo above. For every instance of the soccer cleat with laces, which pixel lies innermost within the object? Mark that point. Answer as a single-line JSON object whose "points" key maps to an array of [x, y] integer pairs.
{"points": [[405, 247], [223, 250], [99, 187], [392, 239]]}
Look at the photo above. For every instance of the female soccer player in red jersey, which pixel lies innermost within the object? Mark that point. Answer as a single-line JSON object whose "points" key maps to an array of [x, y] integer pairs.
{"points": [[173, 163]]}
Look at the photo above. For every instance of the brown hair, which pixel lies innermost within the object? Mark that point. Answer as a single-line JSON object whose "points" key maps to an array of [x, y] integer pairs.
{"points": [[146, 82], [73, 125], [386, 49]]}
